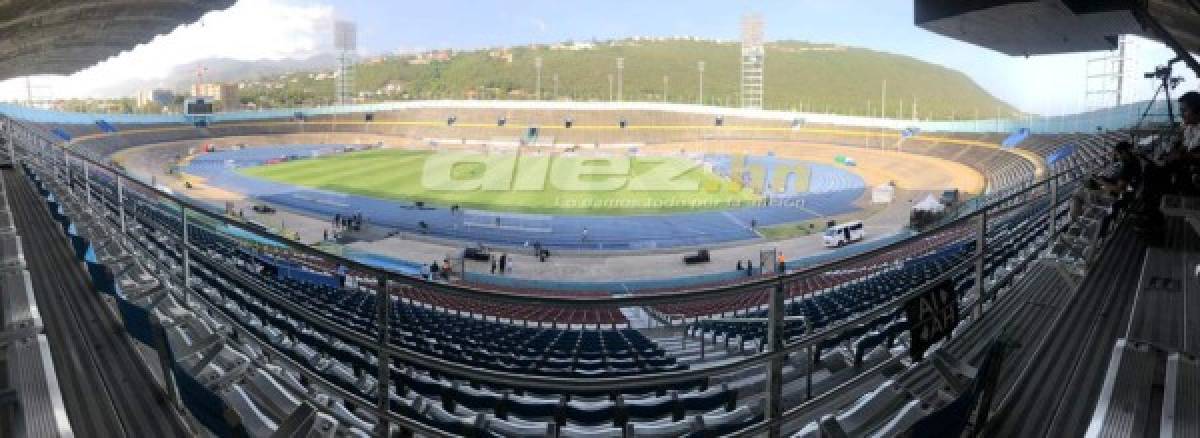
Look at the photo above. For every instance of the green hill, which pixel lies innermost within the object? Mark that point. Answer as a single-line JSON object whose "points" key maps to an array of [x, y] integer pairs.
{"points": [[799, 75]]}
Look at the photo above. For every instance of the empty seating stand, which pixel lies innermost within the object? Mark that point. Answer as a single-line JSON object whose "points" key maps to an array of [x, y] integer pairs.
{"points": [[21, 315], [33, 406], [37, 409], [1143, 380], [263, 405], [1151, 386], [1181, 401]]}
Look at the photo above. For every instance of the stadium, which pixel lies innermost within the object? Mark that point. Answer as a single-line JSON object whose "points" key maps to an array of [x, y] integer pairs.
{"points": [[578, 267]]}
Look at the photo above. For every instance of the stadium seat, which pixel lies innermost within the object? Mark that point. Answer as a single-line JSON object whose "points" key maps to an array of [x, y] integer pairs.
{"points": [[591, 432], [252, 418], [449, 422], [714, 398], [721, 423], [502, 428], [590, 413], [529, 408], [665, 428], [870, 408], [902, 420], [650, 408]]}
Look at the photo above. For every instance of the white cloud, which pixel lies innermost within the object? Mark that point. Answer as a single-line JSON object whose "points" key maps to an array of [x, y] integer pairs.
{"points": [[249, 30]]}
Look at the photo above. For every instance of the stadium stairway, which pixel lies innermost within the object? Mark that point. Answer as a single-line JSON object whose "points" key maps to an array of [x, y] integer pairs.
{"points": [[1054, 394], [1151, 385], [34, 405], [113, 394]]}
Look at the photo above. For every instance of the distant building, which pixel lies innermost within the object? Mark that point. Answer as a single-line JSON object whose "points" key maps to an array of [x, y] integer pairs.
{"points": [[158, 96], [573, 46], [228, 96], [502, 54], [211, 89], [432, 56]]}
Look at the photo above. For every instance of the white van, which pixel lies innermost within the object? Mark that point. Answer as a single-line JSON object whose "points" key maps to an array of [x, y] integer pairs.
{"points": [[843, 234]]}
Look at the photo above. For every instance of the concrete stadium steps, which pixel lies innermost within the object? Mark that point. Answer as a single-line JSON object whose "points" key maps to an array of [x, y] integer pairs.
{"points": [[1090, 148], [1002, 170], [1061, 386], [28, 375], [688, 352], [115, 395]]}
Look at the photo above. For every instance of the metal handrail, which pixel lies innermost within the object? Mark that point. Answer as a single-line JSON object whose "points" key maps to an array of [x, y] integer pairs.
{"points": [[277, 354]]}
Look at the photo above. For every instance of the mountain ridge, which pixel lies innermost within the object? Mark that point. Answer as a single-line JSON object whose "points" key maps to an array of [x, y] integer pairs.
{"points": [[813, 77]]}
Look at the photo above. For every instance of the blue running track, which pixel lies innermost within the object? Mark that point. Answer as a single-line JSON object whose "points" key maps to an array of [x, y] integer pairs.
{"points": [[832, 191]]}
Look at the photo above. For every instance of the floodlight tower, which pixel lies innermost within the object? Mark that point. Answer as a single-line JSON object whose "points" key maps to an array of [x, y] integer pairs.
{"points": [[753, 56], [1106, 76], [345, 42], [620, 79], [537, 88]]}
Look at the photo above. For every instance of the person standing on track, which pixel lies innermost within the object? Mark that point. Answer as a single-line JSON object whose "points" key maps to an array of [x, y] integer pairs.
{"points": [[341, 275]]}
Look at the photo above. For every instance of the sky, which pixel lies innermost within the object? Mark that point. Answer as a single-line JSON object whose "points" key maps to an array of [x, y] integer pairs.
{"points": [[277, 29]]}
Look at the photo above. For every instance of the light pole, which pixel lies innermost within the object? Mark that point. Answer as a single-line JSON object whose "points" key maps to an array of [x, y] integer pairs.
{"points": [[700, 68], [666, 85], [883, 101], [537, 63], [620, 77], [610, 87]]}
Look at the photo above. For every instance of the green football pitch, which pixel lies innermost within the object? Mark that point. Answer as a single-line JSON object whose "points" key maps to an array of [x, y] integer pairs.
{"points": [[559, 184]]}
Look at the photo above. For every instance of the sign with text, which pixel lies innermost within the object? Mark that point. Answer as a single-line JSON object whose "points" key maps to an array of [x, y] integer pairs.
{"points": [[931, 316]]}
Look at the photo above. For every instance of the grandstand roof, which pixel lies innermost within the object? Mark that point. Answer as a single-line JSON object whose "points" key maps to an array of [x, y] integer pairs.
{"points": [[1038, 27], [65, 36]]}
